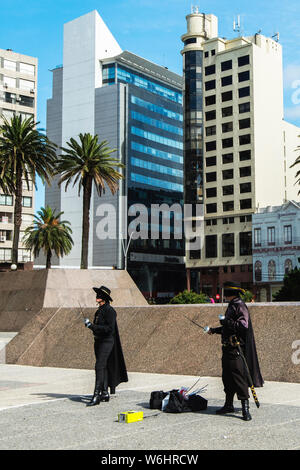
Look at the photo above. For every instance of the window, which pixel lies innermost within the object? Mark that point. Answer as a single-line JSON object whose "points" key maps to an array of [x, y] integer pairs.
{"points": [[245, 243], [244, 76], [288, 266], [271, 235], [245, 187], [227, 174], [227, 158], [156, 123], [209, 100], [287, 230], [211, 192], [225, 81], [6, 200], [244, 123], [227, 96], [9, 82], [227, 65], [244, 107], [227, 111], [26, 101], [9, 65], [211, 176], [227, 244], [257, 271], [227, 127], [227, 143], [210, 208], [245, 139], [228, 206], [257, 237], [213, 52], [244, 92], [243, 60], [206, 54], [190, 41], [211, 146], [26, 84], [211, 246], [156, 109], [245, 155], [210, 85], [5, 254], [228, 190], [211, 130], [210, 115], [26, 68], [272, 270], [245, 204], [26, 201], [245, 171], [211, 161], [210, 70]]}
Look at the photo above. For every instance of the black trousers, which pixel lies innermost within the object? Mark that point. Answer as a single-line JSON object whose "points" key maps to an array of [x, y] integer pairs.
{"points": [[103, 349], [234, 374]]}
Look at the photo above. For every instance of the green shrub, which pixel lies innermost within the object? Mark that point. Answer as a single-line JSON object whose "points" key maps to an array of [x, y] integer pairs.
{"points": [[189, 297]]}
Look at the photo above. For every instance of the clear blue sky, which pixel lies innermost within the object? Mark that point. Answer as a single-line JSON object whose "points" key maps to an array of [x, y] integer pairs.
{"points": [[151, 29]]}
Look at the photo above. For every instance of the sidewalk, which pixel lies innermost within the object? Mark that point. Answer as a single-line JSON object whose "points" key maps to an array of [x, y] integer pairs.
{"points": [[45, 408]]}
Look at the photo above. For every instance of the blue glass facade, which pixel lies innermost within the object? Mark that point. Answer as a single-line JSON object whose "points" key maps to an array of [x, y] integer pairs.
{"points": [[154, 167]]}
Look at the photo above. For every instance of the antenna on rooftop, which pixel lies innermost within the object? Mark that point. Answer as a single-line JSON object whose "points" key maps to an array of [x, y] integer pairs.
{"points": [[237, 24], [194, 9], [276, 37]]}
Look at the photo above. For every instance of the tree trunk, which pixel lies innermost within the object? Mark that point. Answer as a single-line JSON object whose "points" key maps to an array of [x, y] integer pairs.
{"points": [[87, 192], [17, 215], [48, 261]]}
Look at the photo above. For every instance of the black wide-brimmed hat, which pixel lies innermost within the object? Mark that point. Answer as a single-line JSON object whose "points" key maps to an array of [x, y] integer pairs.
{"points": [[103, 293], [232, 288]]}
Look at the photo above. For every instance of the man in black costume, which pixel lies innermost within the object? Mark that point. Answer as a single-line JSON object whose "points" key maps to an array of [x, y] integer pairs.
{"points": [[110, 368], [237, 322]]}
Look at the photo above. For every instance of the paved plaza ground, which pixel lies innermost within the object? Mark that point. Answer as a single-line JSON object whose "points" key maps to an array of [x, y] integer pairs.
{"points": [[45, 409]]}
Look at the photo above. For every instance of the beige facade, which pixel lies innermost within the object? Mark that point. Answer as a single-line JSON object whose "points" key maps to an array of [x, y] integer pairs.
{"points": [[18, 95], [247, 147]]}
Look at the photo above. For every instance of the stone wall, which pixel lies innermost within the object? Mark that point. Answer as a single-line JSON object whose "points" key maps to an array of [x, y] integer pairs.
{"points": [[160, 339]]}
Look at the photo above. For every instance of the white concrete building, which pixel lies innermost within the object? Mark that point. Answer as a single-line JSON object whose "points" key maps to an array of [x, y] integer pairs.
{"points": [[244, 147], [18, 95]]}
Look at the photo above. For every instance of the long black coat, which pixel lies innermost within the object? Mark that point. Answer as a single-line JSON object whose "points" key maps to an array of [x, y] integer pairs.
{"points": [[238, 322], [105, 329]]}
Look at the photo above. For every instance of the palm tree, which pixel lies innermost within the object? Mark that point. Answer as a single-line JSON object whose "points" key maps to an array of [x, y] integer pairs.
{"points": [[86, 162], [296, 163], [24, 152], [49, 234]]}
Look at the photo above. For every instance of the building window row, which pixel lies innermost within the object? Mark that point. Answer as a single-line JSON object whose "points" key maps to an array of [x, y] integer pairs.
{"points": [[227, 142], [156, 153], [226, 95], [23, 255], [228, 158], [147, 180], [7, 200], [272, 274], [156, 109], [272, 237], [228, 245], [227, 64], [229, 220], [228, 206], [14, 66], [226, 111], [166, 170], [156, 123], [156, 138], [227, 80]]}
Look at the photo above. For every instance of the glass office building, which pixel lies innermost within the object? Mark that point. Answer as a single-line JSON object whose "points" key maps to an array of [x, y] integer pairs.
{"points": [[154, 166]]}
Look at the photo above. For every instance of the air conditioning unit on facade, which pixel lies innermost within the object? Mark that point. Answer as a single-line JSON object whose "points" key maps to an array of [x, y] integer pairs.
{"points": [[2, 238]]}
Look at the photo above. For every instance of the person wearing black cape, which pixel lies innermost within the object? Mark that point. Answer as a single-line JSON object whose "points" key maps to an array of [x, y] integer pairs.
{"points": [[110, 368], [237, 322]]}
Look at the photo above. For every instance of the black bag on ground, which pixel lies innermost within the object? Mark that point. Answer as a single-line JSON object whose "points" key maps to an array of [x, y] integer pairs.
{"points": [[177, 404], [156, 399], [197, 403]]}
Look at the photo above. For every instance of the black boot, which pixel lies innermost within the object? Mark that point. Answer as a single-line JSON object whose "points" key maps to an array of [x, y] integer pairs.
{"points": [[97, 391], [245, 410], [104, 395], [228, 406]]}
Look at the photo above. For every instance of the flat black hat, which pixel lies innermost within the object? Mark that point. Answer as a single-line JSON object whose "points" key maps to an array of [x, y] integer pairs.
{"points": [[233, 287], [103, 293]]}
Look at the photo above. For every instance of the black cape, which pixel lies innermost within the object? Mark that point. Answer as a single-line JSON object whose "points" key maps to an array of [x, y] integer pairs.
{"points": [[116, 367], [251, 357]]}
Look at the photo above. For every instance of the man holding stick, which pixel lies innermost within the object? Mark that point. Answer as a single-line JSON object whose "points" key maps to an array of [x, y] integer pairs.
{"points": [[238, 351]]}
